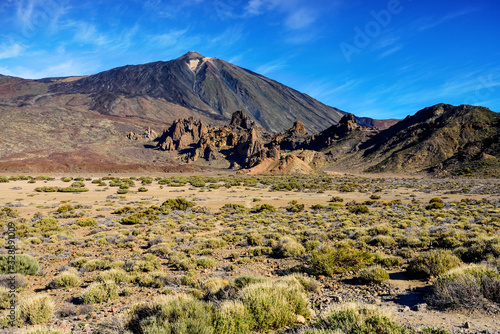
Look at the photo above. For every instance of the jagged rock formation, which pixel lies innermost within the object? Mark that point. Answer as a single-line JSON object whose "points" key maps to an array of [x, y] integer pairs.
{"points": [[148, 135], [439, 139], [240, 141]]}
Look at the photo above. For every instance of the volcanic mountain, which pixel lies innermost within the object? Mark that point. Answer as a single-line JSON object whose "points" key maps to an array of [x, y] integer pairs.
{"points": [[210, 88]]}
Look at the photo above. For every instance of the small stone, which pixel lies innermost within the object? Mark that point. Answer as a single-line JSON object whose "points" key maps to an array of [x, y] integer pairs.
{"points": [[301, 319], [420, 307], [468, 325], [81, 317], [64, 324], [337, 299], [404, 309]]}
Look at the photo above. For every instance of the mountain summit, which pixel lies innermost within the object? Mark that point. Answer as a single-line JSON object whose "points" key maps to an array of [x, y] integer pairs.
{"points": [[207, 88]]}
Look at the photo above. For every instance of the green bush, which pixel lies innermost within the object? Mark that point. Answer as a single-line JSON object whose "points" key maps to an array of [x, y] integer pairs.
{"points": [[233, 317], [373, 274], [287, 247], [177, 204], [115, 275], [354, 319], [329, 261], [254, 239], [432, 263], [173, 314], [66, 279], [4, 179], [24, 264], [358, 208], [206, 262], [34, 310], [274, 305], [6, 297], [263, 208], [86, 222], [100, 292], [472, 287], [72, 190]]}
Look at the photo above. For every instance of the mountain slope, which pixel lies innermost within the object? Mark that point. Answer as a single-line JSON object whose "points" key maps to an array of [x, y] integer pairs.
{"points": [[433, 136], [208, 86]]}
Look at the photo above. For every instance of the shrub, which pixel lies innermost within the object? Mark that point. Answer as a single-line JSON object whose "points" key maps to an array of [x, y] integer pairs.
{"points": [[353, 319], [86, 222], [206, 262], [263, 208], [66, 279], [468, 287], [274, 306], [233, 317], [294, 206], [34, 310], [242, 281], [254, 239], [373, 274], [173, 314], [287, 247], [142, 189], [177, 204], [72, 190], [115, 275], [5, 298], [329, 261], [358, 208], [4, 179], [24, 264], [336, 199], [100, 292], [435, 203], [432, 263]]}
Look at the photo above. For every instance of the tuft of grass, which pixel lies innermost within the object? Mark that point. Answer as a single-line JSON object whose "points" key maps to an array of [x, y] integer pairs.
{"points": [[233, 317], [274, 305], [471, 287], [34, 310], [330, 261], [173, 314], [100, 292], [66, 279], [353, 319], [23, 264], [374, 274], [432, 263]]}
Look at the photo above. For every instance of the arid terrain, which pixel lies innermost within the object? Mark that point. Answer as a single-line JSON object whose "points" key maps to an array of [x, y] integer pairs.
{"points": [[108, 247]]}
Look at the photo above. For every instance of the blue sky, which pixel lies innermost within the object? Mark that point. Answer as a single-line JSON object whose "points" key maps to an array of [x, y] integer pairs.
{"points": [[381, 59]]}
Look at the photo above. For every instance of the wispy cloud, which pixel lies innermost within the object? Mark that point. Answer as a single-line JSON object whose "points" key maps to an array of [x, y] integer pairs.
{"points": [[270, 67], [65, 68], [297, 15], [168, 39], [89, 34], [11, 50], [390, 51], [432, 22]]}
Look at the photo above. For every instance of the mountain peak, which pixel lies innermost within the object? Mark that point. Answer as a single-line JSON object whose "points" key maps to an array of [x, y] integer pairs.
{"points": [[191, 55]]}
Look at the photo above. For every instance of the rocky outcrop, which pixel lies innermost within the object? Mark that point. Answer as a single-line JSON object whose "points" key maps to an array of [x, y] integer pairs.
{"points": [[182, 134], [240, 120], [239, 142], [148, 135]]}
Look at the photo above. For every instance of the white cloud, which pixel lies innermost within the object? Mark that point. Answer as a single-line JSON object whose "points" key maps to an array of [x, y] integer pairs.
{"points": [[390, 51], [300, 18], [432, 22], [271, 67], [10, 51]]}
